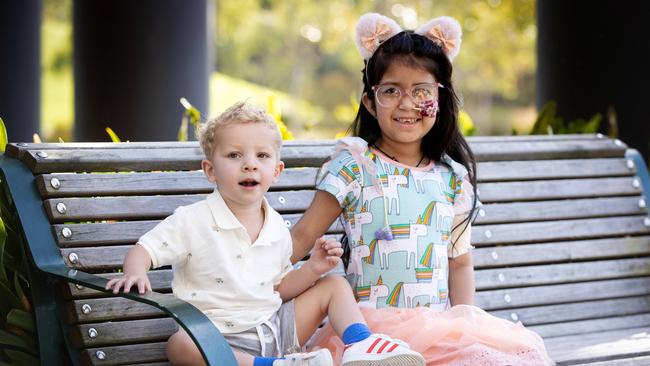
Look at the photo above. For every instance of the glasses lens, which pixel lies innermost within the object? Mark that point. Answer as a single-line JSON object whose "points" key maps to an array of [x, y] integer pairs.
{"points": [[390, 95], [423, 93]]}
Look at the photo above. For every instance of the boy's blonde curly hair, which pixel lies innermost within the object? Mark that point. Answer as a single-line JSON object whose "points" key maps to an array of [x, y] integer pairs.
{"points": [[240, 112]]}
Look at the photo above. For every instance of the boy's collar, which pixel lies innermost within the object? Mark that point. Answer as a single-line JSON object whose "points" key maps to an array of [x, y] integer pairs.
{"points": [[226, 220]]}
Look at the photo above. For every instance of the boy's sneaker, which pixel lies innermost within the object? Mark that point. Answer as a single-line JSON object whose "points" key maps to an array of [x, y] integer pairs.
{"points": [[322, 357], [381, 350]]}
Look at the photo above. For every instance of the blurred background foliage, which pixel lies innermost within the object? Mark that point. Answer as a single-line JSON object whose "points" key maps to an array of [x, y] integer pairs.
{"points": [[302, 55]]}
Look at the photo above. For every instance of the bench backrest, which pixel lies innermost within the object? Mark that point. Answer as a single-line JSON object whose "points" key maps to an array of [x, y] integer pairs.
{"points": [[562, 241]]}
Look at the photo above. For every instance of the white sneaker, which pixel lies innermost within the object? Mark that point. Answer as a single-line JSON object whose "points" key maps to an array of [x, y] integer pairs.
{"points": [[381, 350], [322, 357]]}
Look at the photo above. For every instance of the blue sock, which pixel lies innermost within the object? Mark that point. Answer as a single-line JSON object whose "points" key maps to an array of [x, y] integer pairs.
{"points": [[265, 361], [356, 332]]}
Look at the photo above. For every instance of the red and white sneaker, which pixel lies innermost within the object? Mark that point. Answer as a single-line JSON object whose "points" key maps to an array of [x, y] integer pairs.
{"points": [[381, 350]]}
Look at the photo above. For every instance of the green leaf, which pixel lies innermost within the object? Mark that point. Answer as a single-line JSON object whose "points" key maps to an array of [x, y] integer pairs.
{"points": [[3, 136], [22, 358], [10, 340], [191, 111], [113, 135], [21, 319], [3, 240], [593, 125], [545, 119], [24, 301], [8, 296], [182, 131]]}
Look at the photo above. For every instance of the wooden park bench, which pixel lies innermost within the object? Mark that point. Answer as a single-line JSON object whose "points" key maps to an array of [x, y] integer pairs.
{"points": [[562, 242]]}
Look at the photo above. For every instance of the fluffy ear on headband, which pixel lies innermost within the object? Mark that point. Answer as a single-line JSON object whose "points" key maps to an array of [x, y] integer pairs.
{"points": [[372, 30], [445, 32]]}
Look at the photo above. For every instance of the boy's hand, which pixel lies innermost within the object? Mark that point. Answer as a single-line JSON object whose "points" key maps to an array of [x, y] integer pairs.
{"points": [[325, 255], [140, 280]]}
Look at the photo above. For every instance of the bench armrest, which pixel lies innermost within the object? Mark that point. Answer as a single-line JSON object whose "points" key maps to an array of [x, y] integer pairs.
{"points": [[204, 333]]}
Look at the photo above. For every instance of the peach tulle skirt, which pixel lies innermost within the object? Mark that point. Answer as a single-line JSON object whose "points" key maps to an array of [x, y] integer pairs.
{"points": [[461, 335]]}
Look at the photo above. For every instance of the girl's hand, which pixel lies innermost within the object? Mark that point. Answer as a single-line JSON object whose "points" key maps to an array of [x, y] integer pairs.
{"points": [[140, 280], [325, 255]]}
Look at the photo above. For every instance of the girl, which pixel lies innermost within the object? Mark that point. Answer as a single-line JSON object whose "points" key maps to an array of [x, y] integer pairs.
{"points": [[405, 190]]}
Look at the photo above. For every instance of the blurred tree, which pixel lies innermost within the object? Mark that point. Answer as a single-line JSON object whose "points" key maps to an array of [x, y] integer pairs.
{"points": [[307, 48]]}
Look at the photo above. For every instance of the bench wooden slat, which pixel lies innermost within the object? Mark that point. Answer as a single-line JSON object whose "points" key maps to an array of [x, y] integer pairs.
{"points": [[109, 308], [132, 353], [160, 280], [495, 213], [528, 232], [521, 299], [556, 189], [141, 183], [176, 158], [119, 160], [128, 232], [592, 326], [538, 150], [599, 346], [635, 361], [561, 293], [553, 169], [609, 308], [110, 257], [89, 259], [150, 183], [125, 332], [146, 207], [561, 251], [151, 330], [561, 273]]}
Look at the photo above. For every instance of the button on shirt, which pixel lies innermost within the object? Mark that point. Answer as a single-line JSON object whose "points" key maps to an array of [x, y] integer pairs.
{"points": [[215, 266]]}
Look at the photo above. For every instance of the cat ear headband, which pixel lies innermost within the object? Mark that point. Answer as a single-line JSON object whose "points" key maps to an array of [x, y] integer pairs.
{"points": [[373, 29]]}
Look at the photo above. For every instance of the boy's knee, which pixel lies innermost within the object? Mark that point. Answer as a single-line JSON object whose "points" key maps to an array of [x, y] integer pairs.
{"points": [[181, 350], [335, 281]]}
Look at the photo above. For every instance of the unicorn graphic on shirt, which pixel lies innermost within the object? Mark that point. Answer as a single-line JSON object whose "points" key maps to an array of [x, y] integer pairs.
{"points": [[371, 293], [357, 254], [347, 176], [420, 177], [387, 191], [354, 224], [433, 257], [405, 239], [411, 291]]}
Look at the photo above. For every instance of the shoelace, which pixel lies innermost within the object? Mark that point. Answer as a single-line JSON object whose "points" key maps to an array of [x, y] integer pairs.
{"points": [[298, 359]]}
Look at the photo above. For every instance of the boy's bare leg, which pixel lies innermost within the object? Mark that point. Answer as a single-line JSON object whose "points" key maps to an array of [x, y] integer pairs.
{"points": [[182, 351], [330, 296]]}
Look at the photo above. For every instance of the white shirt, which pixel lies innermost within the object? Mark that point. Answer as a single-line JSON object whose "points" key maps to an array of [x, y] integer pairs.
{"points": [[215, 266]]}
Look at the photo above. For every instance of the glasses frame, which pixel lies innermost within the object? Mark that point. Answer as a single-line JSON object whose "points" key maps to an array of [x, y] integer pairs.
{"points": [[403, 92]]}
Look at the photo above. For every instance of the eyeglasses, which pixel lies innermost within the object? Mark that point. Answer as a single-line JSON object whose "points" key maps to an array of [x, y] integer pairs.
{"points": [[389, 95]]}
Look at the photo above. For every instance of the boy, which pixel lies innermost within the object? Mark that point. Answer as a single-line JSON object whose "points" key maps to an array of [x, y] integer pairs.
{"points": [[230, 255]]}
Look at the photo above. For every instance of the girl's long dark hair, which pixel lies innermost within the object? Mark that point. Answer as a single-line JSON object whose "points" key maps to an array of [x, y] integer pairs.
{"points": [[444, 137]]}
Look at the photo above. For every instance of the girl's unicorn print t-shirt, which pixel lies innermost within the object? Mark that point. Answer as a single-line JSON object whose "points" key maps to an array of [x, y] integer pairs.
{"points": [[415, 206]]}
